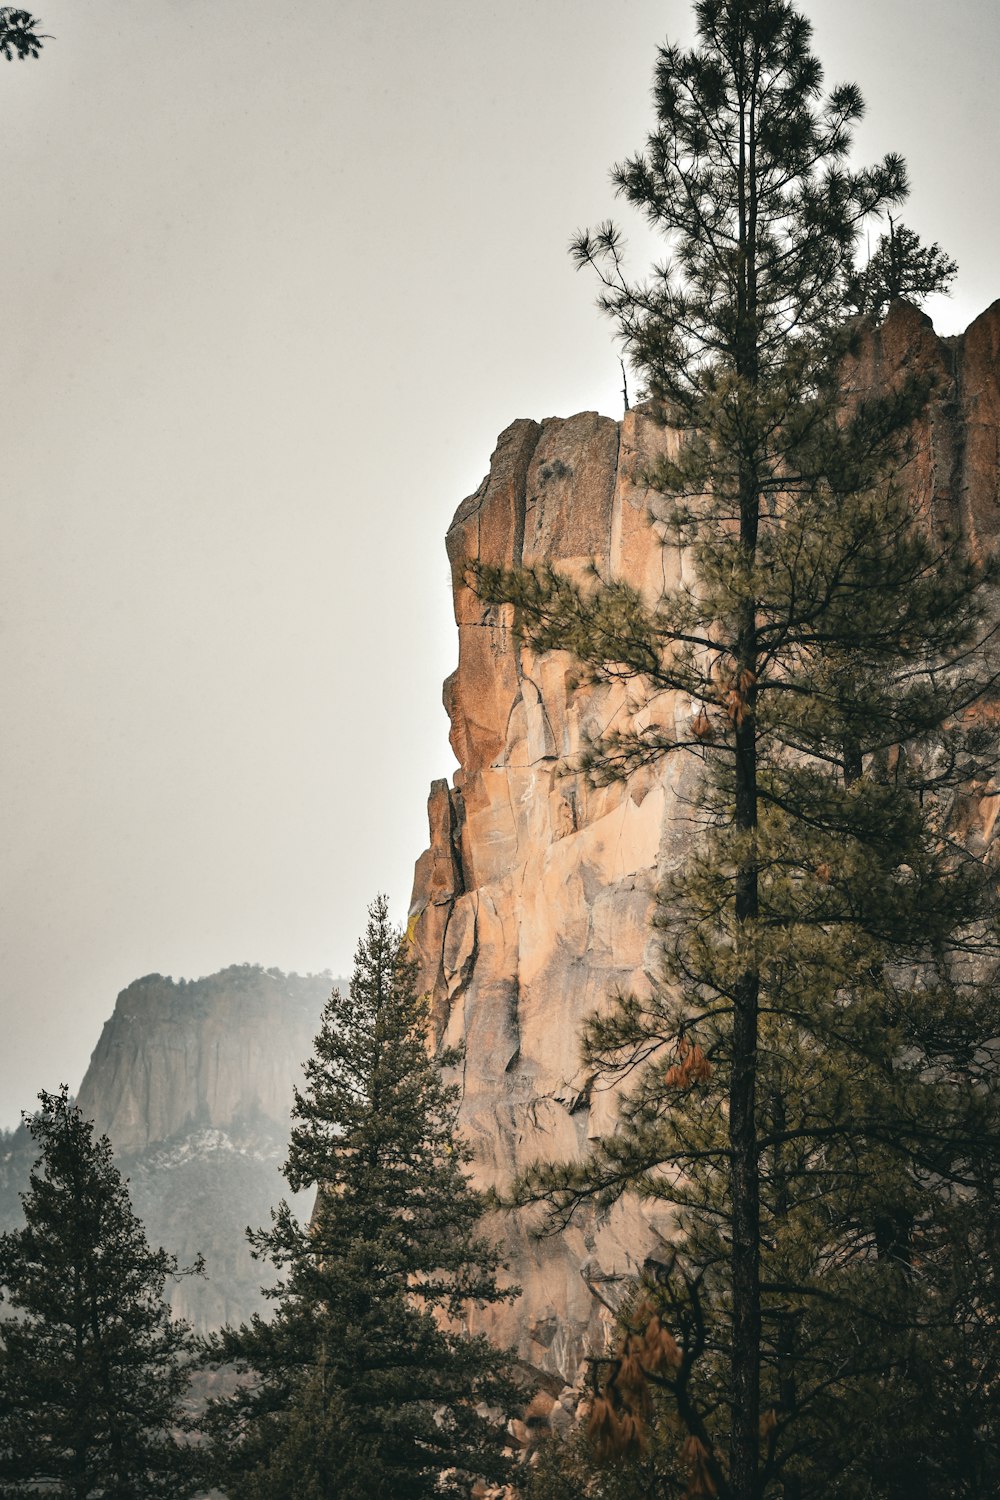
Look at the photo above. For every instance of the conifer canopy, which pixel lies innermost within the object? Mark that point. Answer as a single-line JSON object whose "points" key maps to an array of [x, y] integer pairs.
{"points": [[93, 1370], [811, 1082], [364, 1381]]}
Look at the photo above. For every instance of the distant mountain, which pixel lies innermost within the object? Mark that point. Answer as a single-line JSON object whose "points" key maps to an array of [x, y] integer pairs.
{"points": [[17, 1153], [192, 1081]]}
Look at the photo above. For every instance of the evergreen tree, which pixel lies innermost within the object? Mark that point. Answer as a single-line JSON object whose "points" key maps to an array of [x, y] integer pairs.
{"points": [[93, 1370], [363, 1383], [901, 267], [812, 1083]]}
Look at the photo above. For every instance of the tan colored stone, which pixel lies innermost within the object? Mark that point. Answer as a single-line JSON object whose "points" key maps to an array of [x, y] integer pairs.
{"points": [[568, 492], [553, 881]]}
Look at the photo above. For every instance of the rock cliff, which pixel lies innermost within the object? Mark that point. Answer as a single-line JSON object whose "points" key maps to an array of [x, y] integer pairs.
{"points": [[532, 904], [192, 1081], [201, 1054]]}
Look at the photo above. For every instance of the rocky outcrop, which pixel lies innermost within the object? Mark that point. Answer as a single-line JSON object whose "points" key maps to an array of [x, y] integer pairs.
{"points": [[532, 905], [198, 1054], [192, 1081]]}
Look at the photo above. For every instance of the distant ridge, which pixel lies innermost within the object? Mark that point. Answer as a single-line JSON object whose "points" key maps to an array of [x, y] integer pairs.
{"points": [[193, 1081]]}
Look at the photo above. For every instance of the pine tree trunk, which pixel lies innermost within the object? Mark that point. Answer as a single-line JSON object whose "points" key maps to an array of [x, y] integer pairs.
{"points": [[744, 1431], [744, 1438], [893, 1231]]}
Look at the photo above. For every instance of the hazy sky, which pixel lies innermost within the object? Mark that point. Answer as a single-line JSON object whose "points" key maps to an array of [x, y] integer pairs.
{"points": [[274, 278]]}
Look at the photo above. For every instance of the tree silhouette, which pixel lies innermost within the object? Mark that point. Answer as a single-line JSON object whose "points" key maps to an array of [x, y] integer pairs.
{"points": [[93, 1370], [363, 1381]]}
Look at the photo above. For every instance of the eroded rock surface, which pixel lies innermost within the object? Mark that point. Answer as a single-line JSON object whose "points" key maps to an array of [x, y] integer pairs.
{"points": [[532, 904]]}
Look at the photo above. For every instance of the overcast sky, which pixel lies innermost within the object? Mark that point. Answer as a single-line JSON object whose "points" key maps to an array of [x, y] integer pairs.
{"points": [[274, 277]]}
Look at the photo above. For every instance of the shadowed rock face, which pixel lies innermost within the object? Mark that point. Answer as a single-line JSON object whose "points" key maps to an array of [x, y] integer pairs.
{"points": [[203, 1053], [192, 1082], [532, 904]]}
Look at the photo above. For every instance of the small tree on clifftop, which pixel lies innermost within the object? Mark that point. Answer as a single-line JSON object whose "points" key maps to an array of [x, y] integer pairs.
{"points": [[811, 1086], [362, 1388]]}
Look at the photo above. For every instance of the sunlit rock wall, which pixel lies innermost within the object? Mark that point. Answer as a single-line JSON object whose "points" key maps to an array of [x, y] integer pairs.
{"points": [[532, 904]]}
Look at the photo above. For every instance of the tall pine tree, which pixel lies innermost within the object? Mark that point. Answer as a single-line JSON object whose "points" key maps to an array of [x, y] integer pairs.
{"points": [[93, 1370], [364, 1382], [811, 1083]]}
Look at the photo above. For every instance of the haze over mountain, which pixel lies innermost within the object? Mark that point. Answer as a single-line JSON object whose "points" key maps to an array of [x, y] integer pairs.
{"points": [[192, 1081]]}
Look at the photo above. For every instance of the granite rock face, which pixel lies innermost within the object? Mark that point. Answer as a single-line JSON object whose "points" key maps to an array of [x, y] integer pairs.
{"points": [[203, 1053], [532, 905]]}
